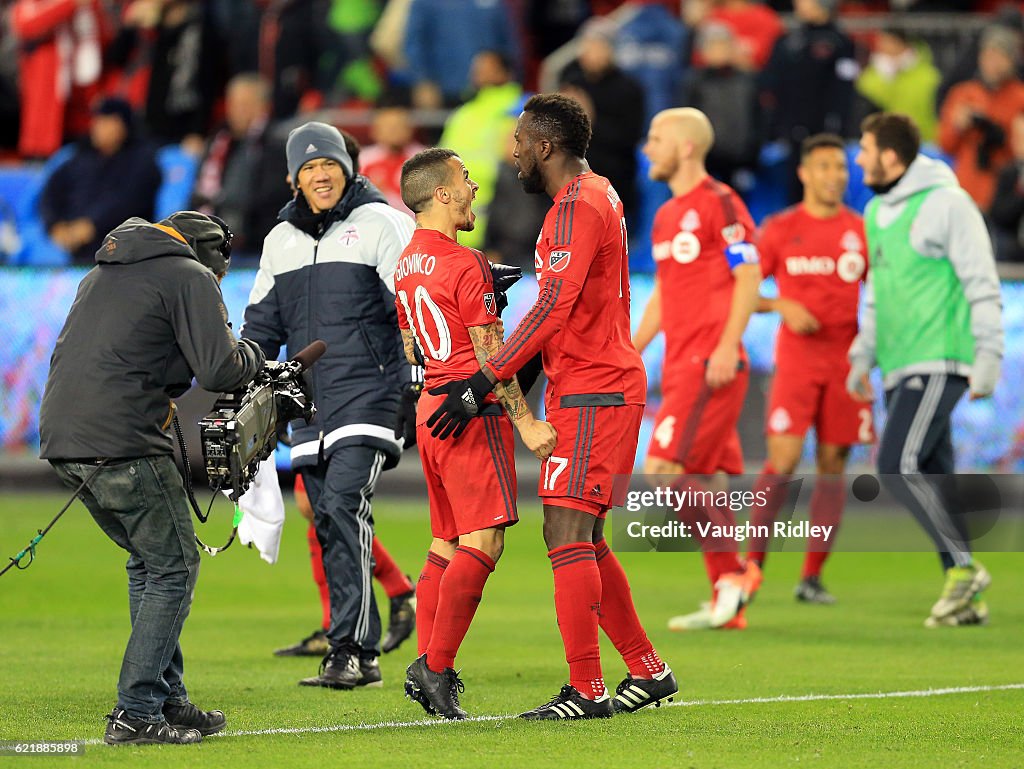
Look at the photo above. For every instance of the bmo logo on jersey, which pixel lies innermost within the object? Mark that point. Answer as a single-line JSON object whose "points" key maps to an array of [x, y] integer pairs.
{"points": [[851, 266], [683, 248]]}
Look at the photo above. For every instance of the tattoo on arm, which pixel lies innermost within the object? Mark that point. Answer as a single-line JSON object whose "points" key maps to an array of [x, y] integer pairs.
{"points": [[486, 342], [409, 344]]}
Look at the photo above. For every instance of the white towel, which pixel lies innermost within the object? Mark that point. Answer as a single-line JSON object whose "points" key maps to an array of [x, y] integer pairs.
{"points": [[263, 512]]}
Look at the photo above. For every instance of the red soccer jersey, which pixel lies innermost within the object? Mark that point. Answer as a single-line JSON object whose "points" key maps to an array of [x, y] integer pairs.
{"points": [[819, 263], [441, 290], [581, 319], [698, 238]]}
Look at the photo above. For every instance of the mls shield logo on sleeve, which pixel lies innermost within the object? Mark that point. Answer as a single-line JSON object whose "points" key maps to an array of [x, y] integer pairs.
{"points": [[734, 233], [489, 304], [558, 260]]}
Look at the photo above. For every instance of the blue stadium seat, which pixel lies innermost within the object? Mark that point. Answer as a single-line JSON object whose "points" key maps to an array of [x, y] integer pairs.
{"points": [[179, 174], [37, 249]]}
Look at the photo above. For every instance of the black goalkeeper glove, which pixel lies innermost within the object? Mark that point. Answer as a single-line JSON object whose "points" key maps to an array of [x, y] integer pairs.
{"points": [[405, 419], [504, 276], [464, 400]]}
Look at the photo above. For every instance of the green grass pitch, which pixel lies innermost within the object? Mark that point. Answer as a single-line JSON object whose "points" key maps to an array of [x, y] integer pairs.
{"points": [[63, 624]]}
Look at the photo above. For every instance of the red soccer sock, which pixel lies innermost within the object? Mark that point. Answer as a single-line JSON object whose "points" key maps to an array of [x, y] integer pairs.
{"points": [[386, 571], [827, 503], [316, 560], [618, 617], [578, 608], [461, 589], [717, 564], [427, 590], [773, 486], [721, 555]]}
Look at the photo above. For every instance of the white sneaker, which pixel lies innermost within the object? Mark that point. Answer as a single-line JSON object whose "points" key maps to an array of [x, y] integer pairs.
{"points": [[962, 585], [698, 620]]}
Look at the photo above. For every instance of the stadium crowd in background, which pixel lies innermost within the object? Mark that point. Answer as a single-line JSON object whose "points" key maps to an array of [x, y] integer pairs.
{"points": [[787, 77], [121, 79]]}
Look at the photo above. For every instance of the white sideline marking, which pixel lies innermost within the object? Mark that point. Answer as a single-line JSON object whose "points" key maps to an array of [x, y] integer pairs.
{"points": [[684, 704]]}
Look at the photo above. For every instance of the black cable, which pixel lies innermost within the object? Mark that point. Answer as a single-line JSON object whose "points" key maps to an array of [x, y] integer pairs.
{"points": [[187, 474], [31, 549]]}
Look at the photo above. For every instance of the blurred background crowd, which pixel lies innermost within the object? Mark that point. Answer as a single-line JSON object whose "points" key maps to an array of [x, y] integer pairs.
{"points": [[111, 109]]}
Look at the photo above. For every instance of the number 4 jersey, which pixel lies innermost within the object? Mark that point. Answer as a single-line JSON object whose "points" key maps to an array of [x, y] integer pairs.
{"points": [[441, 290]]}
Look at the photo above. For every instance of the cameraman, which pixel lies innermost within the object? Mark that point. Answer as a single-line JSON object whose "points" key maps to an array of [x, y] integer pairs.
{"points": [[146, 320], [327, 272]]}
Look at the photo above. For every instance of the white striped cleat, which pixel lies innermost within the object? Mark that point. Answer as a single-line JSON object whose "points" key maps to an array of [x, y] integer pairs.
{"points": [[635, 693], [570, 705]]}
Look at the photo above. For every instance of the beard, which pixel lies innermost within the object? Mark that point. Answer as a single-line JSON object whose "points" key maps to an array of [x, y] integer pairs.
{"points": [[533, 182], [877, 183]]}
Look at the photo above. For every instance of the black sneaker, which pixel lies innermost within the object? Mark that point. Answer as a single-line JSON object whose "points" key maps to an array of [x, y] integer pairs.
{"points": [[635, 693], [401, 622], [339, 670], [188, 716], [810, 590], [313, 645], [438, 693], [369, 674], [570, 705], [123, 730]]}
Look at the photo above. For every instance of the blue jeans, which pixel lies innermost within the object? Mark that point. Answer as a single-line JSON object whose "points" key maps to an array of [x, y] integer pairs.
{"points": [[141, 505]]}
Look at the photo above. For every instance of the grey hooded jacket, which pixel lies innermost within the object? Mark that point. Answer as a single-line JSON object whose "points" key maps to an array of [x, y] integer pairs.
{"points": [[145, 320], [948, 226]]}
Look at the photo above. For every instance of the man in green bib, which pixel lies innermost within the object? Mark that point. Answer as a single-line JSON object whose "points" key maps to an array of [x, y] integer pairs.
{"points": [[932, 323]]}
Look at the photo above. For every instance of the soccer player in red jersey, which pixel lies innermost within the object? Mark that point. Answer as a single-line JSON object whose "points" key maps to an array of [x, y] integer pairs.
{"points": [[595, 398], [816, 251], [448, 308], [704, 294]]}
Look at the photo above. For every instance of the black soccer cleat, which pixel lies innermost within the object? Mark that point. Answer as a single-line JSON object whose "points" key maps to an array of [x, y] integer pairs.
{"points": [[313, 645], [339, 670], [635, 693], [570, 705], [123, 730], [438, 693], [369, 674], [810, 590], [402, 621], [188, 716]]}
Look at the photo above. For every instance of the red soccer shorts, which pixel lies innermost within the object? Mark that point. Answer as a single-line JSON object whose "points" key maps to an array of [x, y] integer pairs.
{"points": [[471, 480], [696, 426], [803, 396], [590, 467]]}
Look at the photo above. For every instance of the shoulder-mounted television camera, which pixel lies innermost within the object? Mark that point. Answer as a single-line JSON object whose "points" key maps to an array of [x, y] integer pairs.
{"points": [[242, 429]]}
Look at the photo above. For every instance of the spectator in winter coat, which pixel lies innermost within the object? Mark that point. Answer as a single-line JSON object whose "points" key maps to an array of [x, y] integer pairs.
{"points": [[976, 116], [807, 86], [615, 102], [902, 78], [111, 176]]}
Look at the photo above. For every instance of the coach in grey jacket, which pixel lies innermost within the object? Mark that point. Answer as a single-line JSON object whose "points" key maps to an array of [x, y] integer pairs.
{"points": [[327, 272], [145, 320]]}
